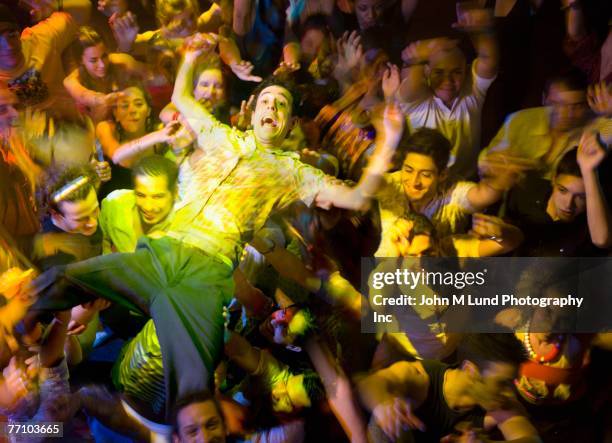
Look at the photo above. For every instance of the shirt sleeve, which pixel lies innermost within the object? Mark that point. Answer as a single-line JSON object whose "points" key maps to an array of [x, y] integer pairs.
{"points": [[480, 85], [459, 197], [308, 181], [58, 31]]}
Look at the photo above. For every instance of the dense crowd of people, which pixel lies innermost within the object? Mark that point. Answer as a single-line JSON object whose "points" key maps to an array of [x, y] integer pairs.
{"points": [[187, 188]]}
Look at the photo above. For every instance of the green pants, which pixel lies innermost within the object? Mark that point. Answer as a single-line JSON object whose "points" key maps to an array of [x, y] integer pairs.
{"points": [[180, 287]]}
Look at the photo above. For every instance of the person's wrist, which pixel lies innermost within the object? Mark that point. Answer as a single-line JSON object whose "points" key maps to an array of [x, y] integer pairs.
{"points": [[270, 247]]}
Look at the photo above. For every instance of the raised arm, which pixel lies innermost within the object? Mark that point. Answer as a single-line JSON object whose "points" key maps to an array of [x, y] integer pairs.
{"points": [[478, 23], [244, 16], [589, 156], [239, 350], [499, 172], [359, 197], [339, 391], [182, 96]]}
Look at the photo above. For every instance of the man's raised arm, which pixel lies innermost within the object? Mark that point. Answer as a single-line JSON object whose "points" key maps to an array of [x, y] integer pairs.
{"points": [[359, 197], [182, 97]]}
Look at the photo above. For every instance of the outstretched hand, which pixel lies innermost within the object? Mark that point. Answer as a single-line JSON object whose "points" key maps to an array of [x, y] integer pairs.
{"points": [[243, 70], [590, 152], [350, 51]]}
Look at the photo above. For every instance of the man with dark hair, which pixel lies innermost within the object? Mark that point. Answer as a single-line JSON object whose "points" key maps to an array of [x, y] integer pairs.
{"points": [[70, 230], [421, 186], [425, 401], [570, 215], [198, 418], [129, 214], [239, 180], [545, 133]]}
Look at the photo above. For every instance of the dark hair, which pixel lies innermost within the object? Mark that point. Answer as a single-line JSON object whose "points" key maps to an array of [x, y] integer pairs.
{"points": [[421, 224], [86, 38], [314, 22], [429, 142], [568, 164], [165, 10], [189, 399], [281, 82], [154, 166], [481, 349], [572, 81], [314, 387], [56, 178]]}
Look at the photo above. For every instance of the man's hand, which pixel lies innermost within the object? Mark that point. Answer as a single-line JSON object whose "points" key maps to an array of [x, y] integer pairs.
{"points": [[501, 171], [103, 170], [284, 68], [38, 9], [81, 315], [15, 385], [399, 233], [125, 29], [599, 97], [488, 226], [590, 153], [110, 7], [390, 82], [393, 125], [350, 51], [243, 121], [243, 70], [420, 51], [395, 415], [473, 20]]}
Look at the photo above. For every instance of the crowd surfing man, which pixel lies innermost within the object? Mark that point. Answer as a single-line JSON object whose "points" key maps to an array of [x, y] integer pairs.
{"points": [[167, 274]]}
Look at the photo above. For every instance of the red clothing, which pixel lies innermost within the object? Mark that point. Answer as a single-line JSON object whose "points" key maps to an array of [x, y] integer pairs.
{"points": [[585, 54]]}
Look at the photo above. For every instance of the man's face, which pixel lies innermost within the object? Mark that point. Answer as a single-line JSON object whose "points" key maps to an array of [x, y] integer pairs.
{"points": [[153, 198], [420, 177], [10, 45], [272, 117], [276, 328], [8, 111], [568, 199], [289, 395], [79, 217], [369, 13], [200, 423], [95, 60], [311, 43], [447, 74], [210, 90], [132, 110], [493, 386], [568, 108]]}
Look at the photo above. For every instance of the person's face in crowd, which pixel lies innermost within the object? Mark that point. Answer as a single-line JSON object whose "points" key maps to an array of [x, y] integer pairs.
{"points": [[132, 111], [447, 74], [492, 386], [420, 177], [408, 245], [369, 13], [276, 327], [568, 198], [10, 46], [289, 395], [181, 25], [95, 60], [312, 41], [153, 198], [78, 217], [200, 423], [8, 111], [272, 117], [210, 89], [568, 108]]}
